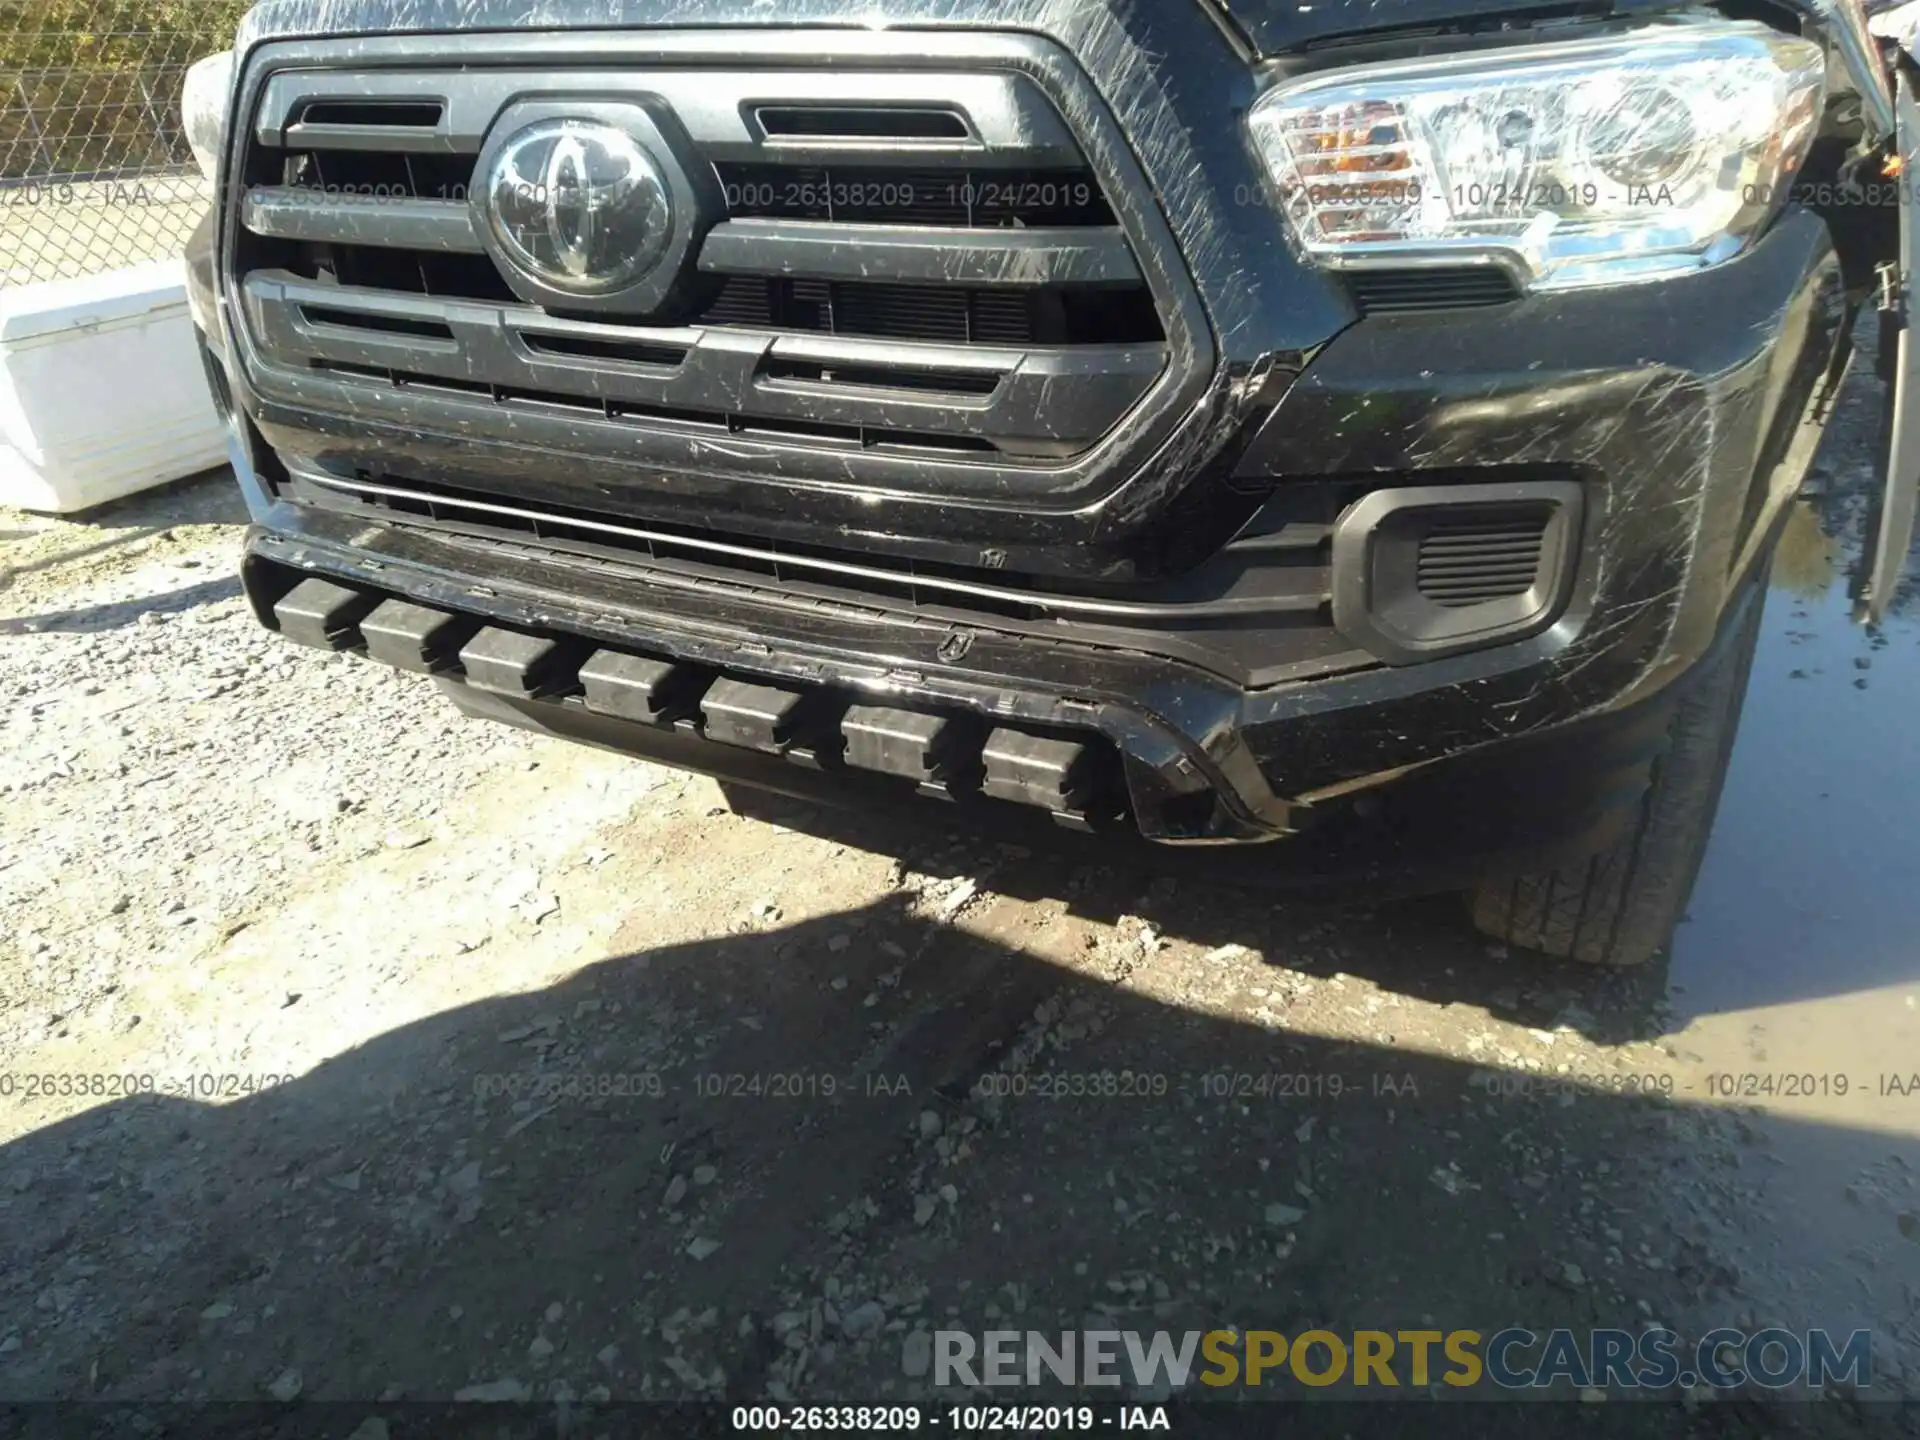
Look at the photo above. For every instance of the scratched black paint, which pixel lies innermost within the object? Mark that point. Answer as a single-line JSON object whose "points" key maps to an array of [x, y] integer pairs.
{"points": [[1677, 402]]}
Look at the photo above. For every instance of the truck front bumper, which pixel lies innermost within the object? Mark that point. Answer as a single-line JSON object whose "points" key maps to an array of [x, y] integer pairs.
{"points": [[1685, 410]]}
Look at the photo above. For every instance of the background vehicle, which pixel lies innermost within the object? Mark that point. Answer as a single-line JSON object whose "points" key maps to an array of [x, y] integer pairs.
{"points": [[1241, 422]]}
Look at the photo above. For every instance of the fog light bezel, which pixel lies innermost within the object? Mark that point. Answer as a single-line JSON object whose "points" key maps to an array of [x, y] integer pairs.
{"points": [[1377, 602]]}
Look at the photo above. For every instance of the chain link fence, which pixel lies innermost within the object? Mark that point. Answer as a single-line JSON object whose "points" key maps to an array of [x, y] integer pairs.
{"points": [[94, 168]]}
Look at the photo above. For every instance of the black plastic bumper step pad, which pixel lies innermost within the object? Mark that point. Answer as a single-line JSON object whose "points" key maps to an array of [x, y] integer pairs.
{"points": [[757, 717], [321, 613], [1036, 770], [634, 687], [908, 743], [415, 637], [509, 662]]}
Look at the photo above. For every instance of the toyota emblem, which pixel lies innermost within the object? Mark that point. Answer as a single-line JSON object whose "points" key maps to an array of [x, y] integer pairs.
{"points": [[578, 205]]}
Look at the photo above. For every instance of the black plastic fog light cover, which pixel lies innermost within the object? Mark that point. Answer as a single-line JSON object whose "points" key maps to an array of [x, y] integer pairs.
{"points": [[1431, 570]]}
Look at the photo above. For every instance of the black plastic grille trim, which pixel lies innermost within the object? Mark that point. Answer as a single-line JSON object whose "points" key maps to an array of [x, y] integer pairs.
{"points": [[1040, 400], [493, 351], [1442, 288], [952, 752], [620, 352], [858, 436], [423, 114], [1303, 594], [871, 122]]}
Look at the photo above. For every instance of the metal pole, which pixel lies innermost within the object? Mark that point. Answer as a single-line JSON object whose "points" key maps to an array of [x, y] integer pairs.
{"points": [[39, 136], [153, 117]]}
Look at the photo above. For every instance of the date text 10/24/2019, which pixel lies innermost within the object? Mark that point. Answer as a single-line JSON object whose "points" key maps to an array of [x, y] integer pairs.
{"points": [[1101, 1085], [952, 1419]]}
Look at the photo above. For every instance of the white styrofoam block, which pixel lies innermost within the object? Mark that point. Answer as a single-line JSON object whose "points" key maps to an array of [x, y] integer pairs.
{"points": [[101, 389]]}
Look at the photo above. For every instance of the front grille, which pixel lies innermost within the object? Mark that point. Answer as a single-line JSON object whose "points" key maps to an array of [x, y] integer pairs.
{"points": [[911, 262]]}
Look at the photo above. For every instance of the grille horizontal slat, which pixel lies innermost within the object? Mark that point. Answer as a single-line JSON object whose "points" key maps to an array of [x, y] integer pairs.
{"points": [[1007, 122], [826, 250], [1519, 579], [1118, 316], [1479, 566], [1517, 555], [291, 213], [1478, 545], [1479, 562], [721, 373]]}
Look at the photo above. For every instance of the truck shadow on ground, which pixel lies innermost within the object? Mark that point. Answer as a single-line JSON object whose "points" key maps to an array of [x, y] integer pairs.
{"points": [[709, 1169], [209, 498], [116, 615], [1319, 922]]}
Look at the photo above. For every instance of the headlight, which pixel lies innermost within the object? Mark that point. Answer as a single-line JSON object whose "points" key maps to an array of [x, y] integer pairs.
{"points": [[203, 109], [1584, 163]]}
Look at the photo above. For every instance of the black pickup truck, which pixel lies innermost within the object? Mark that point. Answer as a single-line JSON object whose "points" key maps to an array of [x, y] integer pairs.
{"points": [[1356, 426]]}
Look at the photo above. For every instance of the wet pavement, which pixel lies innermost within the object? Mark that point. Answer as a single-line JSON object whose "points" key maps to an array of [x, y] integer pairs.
{"points": [[1809, 891], [1796, 977]]}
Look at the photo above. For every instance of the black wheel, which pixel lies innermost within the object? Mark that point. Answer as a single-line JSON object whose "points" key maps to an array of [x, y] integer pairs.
{"points": [[1619, 907]]}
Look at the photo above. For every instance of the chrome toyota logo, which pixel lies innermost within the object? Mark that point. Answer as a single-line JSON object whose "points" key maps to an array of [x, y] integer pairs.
{"points": [[577, 205]]}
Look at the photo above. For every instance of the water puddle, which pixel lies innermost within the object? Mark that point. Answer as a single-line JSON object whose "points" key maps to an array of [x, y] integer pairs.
{"points": [[1795, 982]]}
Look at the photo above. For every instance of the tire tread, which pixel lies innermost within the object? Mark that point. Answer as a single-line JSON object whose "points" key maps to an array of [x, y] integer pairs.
{"points": [[1619, 907]]}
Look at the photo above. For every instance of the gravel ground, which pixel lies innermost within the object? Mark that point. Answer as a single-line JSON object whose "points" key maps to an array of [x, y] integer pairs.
{"points": [[336, 939]]}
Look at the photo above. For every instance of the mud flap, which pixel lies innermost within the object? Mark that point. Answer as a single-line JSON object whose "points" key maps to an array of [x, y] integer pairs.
{"points": [[1890, 530]]}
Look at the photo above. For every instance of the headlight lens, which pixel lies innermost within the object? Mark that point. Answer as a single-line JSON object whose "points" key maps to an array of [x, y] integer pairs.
{"points": [[203, 109], [1584, 163]]}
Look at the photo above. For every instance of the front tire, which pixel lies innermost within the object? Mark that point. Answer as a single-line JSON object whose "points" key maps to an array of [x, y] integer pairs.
{"points": [[1618, 908]]}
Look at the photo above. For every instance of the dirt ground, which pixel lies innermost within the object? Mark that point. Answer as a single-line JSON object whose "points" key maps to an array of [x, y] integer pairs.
{"points": [[356, 1051]]}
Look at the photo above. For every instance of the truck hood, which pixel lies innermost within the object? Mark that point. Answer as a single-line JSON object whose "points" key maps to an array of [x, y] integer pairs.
{"points": [[1273, 27]]}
